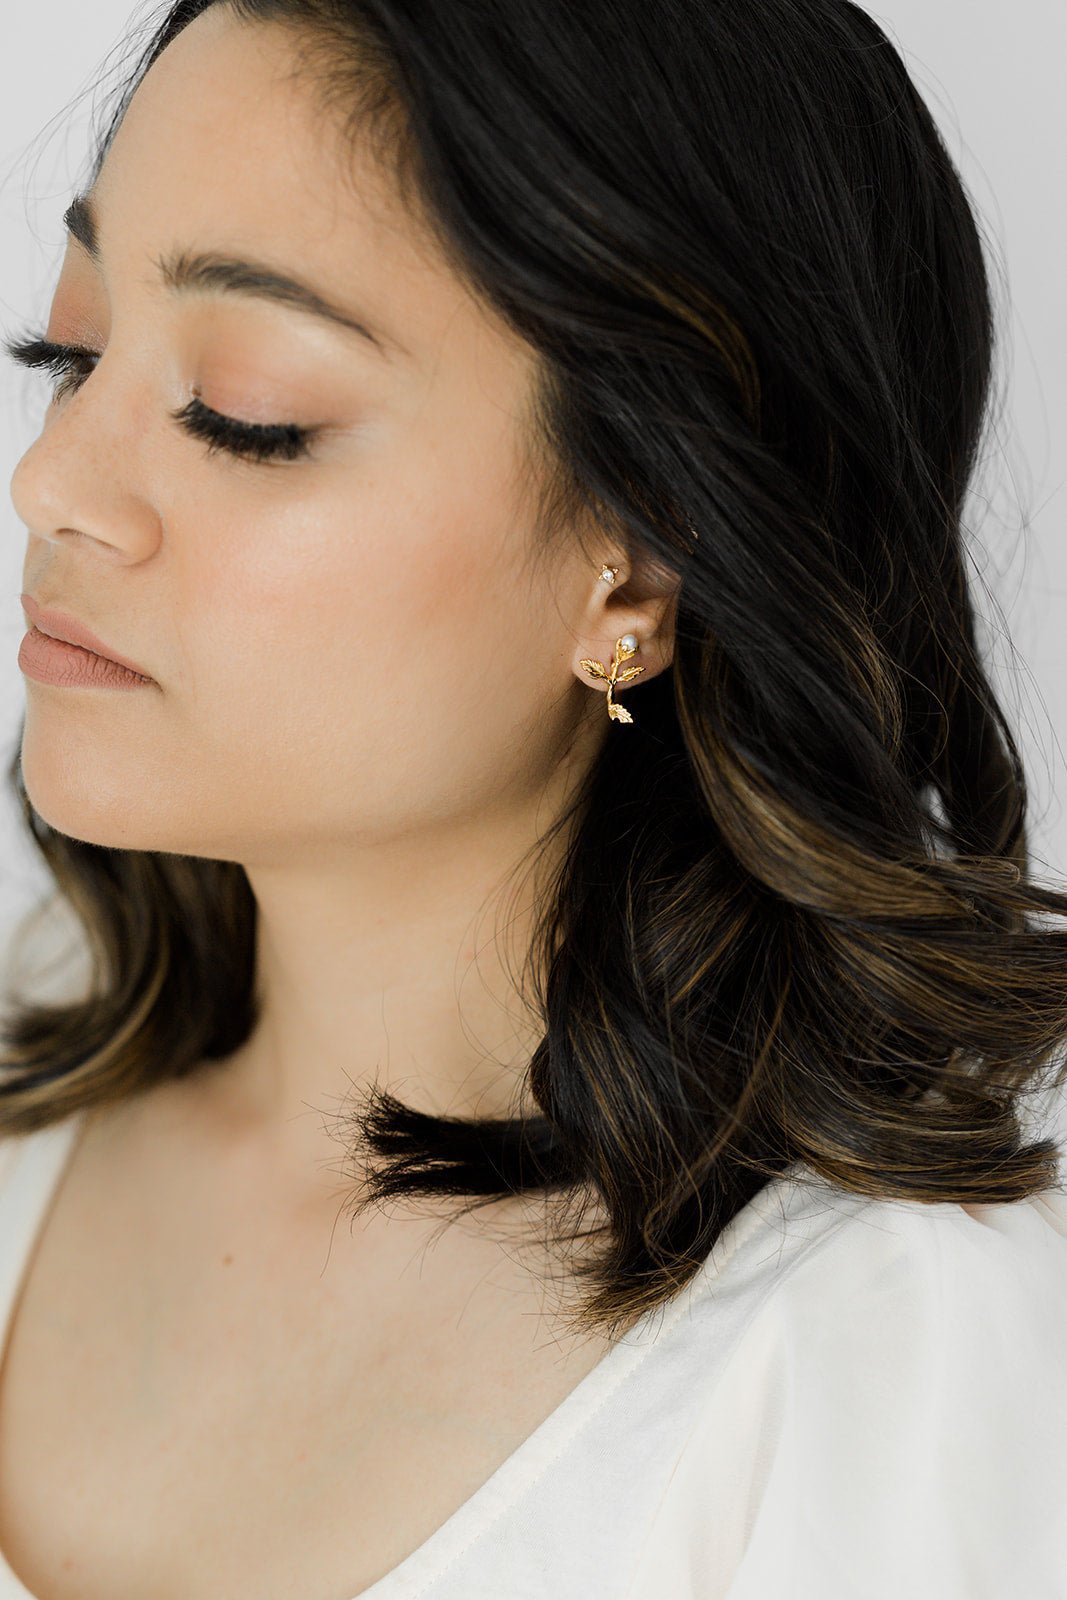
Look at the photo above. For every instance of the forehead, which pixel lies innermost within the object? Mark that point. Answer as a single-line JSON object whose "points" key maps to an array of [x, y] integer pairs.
{"points": [[283, 185]]}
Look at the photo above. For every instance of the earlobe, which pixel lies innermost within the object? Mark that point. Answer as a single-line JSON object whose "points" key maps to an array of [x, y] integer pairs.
{"points": [[626, 645]]}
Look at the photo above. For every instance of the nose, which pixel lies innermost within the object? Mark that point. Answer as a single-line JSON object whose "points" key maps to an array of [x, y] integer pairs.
{"points": [[78, 484]]}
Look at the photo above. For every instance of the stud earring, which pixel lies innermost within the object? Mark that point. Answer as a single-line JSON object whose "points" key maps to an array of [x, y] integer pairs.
{"points": [[609, 574], [625, 647]]}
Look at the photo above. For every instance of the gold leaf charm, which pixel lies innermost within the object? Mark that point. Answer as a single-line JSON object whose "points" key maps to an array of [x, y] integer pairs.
{"points": [[621, 653]]}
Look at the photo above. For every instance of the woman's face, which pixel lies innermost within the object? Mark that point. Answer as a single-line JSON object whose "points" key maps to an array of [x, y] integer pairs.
{"points": [[343, 646]]}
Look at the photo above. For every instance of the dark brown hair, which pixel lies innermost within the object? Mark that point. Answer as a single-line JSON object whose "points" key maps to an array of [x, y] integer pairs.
{"points": [[794, 924]]}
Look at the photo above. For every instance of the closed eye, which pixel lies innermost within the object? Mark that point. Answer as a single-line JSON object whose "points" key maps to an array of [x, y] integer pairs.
{"points": [[70, 365]]}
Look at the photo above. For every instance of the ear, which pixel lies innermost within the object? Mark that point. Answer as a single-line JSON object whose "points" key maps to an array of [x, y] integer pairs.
{"points": [[643, 602]]}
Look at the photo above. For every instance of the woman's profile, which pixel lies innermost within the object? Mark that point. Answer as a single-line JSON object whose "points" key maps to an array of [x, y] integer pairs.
{"points": [[505, 707]]}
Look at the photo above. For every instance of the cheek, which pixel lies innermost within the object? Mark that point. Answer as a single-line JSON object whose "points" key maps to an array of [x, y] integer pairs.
{"points": [[391, 589], [372, 656]]}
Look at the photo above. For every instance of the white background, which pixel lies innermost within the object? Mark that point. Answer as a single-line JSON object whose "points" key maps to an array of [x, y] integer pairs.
{"points": [[994, 81]]}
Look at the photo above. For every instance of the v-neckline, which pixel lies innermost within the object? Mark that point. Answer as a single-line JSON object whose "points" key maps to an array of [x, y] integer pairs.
{"points": [[40, 1161]]}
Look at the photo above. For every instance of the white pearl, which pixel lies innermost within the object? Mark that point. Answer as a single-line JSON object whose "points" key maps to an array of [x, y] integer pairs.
{"points": [[629, 641]]}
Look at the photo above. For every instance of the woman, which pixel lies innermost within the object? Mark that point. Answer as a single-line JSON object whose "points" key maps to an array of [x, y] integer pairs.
{"points": [[532, 746]]}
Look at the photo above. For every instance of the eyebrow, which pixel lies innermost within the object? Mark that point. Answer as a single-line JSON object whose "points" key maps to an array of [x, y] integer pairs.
{"points": [[189, 272]]}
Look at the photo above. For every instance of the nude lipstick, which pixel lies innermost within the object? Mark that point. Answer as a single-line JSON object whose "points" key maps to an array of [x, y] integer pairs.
{"points": [[60, 650]]}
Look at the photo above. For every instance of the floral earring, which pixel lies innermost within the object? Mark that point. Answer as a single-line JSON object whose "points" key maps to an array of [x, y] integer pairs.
{"points": [[625, 647]]}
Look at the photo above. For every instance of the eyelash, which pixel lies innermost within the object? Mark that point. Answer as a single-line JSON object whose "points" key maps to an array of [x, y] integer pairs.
{"points": [[260, 442]]}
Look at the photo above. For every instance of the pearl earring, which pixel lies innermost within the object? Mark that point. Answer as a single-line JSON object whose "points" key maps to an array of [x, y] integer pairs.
{"points": [[625, 647]]}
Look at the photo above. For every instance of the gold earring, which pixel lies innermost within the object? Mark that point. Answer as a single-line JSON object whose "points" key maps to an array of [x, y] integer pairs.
{"points": [[624, 649]]}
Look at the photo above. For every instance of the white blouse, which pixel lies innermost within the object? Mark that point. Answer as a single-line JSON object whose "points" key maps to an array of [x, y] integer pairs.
{"points": [[852, 1400]]}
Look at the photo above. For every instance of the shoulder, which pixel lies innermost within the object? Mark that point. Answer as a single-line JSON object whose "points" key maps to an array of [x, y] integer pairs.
{"points": [[962, 1284], [913, 1417], [924, 1264]]}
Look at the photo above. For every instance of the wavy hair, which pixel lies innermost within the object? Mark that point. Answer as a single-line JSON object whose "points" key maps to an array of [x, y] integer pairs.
{"points": [[795, 926]]}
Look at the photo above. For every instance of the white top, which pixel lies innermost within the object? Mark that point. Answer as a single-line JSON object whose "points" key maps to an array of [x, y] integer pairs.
{"points": [[853, 1400]]}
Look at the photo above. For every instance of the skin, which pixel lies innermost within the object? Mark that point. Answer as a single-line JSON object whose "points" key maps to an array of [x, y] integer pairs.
{"points": [[363, 689]]}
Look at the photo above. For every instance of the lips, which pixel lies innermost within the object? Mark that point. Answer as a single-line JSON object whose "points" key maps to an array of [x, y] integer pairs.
{"points": [[60, 626]]}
